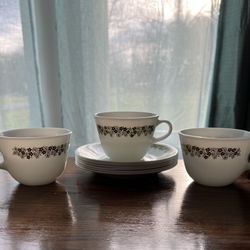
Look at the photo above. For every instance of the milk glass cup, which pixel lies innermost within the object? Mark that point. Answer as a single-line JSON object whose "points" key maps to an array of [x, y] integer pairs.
{"points": [[215, 156], [126, 136], [34, 156]]}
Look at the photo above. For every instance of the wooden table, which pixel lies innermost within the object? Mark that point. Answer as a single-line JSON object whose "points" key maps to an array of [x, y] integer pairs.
{"points": [[89, 211]]}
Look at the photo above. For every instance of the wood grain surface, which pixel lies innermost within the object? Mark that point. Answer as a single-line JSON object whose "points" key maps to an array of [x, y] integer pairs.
{"points": [[83, 210]]}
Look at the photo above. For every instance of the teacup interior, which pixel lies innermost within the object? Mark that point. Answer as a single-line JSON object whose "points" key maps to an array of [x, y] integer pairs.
{"points": [[125, 114], [223, 133], [35, 132]]}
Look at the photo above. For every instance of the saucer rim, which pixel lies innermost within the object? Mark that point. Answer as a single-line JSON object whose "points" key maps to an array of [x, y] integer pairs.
{"points": [[109, 161], [128, 172], [127, 166]]}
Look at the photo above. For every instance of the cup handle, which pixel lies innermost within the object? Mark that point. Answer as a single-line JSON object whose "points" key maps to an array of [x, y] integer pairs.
{"points": [[167, 134]]}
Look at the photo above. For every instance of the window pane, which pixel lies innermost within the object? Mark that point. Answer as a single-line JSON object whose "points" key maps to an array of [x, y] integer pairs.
{"points": [[19, 103], [160, 55]]}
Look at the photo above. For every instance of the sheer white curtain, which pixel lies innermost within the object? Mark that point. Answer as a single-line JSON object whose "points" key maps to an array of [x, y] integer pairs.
{"points": [[19, 102], [86, 56]]}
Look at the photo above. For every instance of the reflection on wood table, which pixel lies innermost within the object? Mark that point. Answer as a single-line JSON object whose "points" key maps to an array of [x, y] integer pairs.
{"points": [[83, 210]]}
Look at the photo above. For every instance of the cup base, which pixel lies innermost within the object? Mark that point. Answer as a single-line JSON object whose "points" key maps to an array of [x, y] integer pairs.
{"points": [[37, 184], [213, 185]]}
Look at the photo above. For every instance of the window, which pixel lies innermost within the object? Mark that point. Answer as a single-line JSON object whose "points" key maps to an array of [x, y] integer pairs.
{"points": [[19, 102], [154, 55]]}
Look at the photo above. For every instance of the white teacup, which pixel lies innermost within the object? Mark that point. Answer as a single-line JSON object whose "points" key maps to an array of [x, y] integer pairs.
{"points": [[34, 156], [126, 136], [215, 156]]}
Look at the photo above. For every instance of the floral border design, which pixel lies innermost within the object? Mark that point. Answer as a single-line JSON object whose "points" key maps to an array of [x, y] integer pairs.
{"points": [[125, 131], [160, 147], [224, 153], [36, 152]]}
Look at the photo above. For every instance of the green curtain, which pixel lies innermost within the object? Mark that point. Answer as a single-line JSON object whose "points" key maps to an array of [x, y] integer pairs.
{"points": [[230, 103]]}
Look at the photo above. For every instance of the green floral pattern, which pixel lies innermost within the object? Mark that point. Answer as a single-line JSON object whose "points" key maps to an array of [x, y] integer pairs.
{"points": [[214, 153], [36, 152], [125, 131]]}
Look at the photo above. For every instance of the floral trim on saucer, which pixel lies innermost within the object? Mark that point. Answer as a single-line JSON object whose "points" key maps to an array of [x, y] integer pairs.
{"points": [[224, 153], [125, 131], [160, 147], [36, 152]]}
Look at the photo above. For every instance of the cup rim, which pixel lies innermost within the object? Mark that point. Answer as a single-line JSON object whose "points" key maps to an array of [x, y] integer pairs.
{"points": [[58, 132], [186, 133], [125, 115]]}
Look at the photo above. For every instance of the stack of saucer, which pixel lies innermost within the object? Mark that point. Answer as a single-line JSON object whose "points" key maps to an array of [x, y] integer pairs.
{"points": [[160, 157]]}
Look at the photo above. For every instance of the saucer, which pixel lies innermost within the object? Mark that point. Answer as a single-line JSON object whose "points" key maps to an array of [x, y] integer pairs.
{"points": [[160, 157]]}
